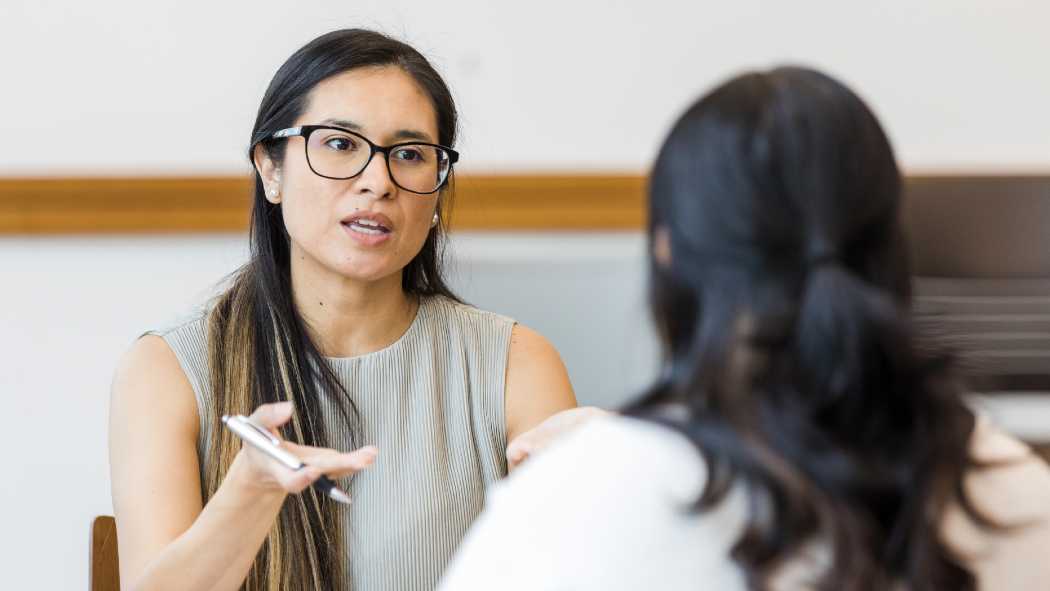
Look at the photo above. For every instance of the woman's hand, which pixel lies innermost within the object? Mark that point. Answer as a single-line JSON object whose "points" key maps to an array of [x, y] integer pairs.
{"points": [[255, 470], [554, 426]]}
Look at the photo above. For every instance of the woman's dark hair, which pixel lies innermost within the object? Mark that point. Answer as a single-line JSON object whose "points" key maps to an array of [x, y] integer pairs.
{"points": [[259, 348], [784, 315]]}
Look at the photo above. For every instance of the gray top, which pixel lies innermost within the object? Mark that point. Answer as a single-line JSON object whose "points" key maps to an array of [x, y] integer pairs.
{"points": [[433, 403]]}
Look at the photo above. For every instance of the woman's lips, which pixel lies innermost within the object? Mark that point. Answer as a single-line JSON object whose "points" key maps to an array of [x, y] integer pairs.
{"points": [[367, 235], [368, 228]]}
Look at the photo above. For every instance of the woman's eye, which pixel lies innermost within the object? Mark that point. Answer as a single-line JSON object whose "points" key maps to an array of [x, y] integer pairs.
{"points": [[340, 143], [409, 154]]}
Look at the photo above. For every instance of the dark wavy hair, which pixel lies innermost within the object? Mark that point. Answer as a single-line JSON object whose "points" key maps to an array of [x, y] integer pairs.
{"points": [[784, 316], [259, 348]]}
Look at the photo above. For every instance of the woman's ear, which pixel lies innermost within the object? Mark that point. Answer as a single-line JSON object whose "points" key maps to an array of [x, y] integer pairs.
{"points": [[662, 246], [269, 172]]}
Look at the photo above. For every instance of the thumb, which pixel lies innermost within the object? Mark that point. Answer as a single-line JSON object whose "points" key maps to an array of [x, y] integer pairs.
{"points": [[272, 415]]}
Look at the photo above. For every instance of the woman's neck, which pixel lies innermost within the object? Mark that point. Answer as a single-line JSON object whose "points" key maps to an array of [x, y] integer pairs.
{"points": [[348, 317]]}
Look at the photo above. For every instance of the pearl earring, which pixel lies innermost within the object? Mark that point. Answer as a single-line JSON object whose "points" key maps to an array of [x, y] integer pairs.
{"points": [[434, 222]]}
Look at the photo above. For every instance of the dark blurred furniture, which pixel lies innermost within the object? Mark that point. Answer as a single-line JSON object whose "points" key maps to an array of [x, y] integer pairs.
{"points": [[980, 249]]}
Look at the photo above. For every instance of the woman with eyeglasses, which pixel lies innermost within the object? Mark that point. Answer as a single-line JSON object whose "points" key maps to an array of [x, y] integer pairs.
{"points": [[802, 436], [341, 336]]}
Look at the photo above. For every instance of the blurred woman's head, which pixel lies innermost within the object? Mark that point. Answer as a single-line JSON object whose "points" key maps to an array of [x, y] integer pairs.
{"points": [[760, 183], [780, 286]]}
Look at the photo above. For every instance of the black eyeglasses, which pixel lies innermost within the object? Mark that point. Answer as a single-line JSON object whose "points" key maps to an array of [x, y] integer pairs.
{"points": [[339, 154]]}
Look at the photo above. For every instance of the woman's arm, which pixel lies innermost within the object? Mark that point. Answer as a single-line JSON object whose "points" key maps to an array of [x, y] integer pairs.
{"points": [[541, 406], [537, 385], [167, 540]]}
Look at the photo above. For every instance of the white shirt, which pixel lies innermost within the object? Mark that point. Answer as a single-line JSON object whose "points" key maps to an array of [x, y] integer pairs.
{"points": [[605, 508]]}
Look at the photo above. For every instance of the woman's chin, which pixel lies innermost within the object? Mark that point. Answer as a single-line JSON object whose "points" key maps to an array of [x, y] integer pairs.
{"points": [[361, 271]]}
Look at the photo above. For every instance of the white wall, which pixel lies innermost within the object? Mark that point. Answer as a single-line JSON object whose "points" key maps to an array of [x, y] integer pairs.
{"points": [[129, 87], [172, 86]]}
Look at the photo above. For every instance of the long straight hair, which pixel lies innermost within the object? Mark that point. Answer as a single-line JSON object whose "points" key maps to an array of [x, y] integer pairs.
{"points": [[259, 350], [784, 316]]}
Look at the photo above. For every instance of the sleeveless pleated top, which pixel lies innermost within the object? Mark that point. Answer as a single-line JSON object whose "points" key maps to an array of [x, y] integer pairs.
{"points": [[433, 403]]}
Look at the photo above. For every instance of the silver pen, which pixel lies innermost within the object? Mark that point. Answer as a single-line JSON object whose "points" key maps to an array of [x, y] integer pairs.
{"points": [[264, 441]]}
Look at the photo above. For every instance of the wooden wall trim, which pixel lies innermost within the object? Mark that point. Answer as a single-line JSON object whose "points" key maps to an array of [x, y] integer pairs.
{"points": [[482, 202], [216, 204], [122, 205]]}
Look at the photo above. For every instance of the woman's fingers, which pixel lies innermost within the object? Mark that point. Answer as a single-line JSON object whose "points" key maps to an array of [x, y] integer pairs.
{"points": [[272, 415], [532, 441], [518, 452], [331, 462], [295, 481], [317, 460], [339, 465]]}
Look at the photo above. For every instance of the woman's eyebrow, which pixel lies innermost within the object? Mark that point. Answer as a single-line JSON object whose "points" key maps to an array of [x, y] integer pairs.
{"points": [[411, 134], [344, 123], [401, 134]]}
